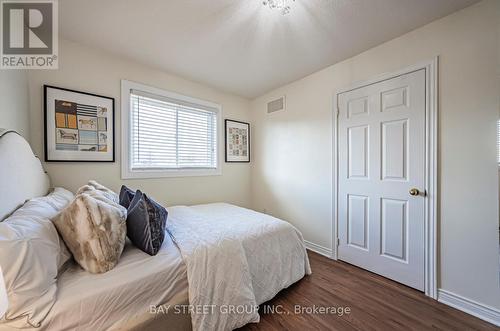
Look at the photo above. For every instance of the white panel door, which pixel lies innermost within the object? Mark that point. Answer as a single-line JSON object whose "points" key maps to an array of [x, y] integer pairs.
{"points": [[381, 133]]}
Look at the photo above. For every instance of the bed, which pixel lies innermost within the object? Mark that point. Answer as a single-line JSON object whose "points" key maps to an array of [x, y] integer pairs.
{"points": [[215, 254], [121, 298]]}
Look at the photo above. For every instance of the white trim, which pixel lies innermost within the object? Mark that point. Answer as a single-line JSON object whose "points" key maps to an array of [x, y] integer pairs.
{"points": [[335, 177], [431, 166], [318, 249], [469, 306], [126, 172], [431, 176]]}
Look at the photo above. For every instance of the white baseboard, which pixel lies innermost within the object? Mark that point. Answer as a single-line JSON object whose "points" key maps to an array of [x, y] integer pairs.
{"points": [[469, 306], [319, 249]]}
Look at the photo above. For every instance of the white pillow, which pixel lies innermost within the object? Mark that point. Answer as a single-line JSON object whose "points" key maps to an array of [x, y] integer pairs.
{"points": [[48, 207], [31, 253]]}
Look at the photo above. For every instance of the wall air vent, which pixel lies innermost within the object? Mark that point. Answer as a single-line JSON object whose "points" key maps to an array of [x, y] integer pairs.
{"points": [[276, 105]]}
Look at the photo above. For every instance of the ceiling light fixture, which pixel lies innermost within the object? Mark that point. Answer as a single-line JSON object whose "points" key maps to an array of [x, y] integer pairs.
{"points": [[282, 5]]}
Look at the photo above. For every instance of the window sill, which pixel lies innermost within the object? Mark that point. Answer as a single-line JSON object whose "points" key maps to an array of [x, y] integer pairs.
{"points": [[136, 174]]}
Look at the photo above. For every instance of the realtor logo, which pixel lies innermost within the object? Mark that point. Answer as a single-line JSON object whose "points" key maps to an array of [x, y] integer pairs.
{"points": [[29, 36]]}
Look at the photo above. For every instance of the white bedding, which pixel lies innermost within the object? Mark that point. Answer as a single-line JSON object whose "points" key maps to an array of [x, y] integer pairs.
{"points": [[235, 257], [231, 256], [108, 301]]}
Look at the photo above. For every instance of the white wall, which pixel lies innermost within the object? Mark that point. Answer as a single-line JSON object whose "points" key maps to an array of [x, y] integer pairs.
{"points": [[86, 69], [292, 150], [14, 102]]}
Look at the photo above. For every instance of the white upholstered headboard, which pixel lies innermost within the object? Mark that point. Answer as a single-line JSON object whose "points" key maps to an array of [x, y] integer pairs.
{"points": [[21, 174]]}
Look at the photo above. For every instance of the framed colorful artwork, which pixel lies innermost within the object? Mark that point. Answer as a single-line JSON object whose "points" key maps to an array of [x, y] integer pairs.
{"points": [[79, 126], [237, 141]]}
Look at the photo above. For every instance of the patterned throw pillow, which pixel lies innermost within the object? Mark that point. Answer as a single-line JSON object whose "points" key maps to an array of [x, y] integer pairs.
{"points": [[126, 196], [146, 222], [93, 226]]}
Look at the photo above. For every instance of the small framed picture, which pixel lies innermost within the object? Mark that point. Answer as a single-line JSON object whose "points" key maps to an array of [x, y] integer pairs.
{"points": [[79, 126], [237, 141]]}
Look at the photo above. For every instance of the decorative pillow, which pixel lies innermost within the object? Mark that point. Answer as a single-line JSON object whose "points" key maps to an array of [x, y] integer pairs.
{"points": [[31, 253], [93, 186], [126, 196], [48, 207], [94, 229], [146, 223]]}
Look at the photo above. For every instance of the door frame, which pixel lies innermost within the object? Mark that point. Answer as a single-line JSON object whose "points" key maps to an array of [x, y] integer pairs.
{"points": [[431, 166]]}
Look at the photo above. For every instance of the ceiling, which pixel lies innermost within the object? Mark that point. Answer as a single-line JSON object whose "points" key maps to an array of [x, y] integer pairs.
{"points": [[241, 46]]}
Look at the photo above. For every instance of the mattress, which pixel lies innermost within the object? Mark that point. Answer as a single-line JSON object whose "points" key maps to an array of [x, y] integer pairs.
{"points": [[121, 299]]}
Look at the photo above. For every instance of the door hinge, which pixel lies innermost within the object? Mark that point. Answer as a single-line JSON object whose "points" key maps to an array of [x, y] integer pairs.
{"points": [[338, 242]]}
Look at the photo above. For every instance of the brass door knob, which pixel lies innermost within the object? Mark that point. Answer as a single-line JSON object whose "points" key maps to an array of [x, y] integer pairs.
{"points": [[414, 192]]}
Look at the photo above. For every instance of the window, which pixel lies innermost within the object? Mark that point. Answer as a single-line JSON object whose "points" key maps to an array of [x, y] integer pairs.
{"points": [[166, 134]]}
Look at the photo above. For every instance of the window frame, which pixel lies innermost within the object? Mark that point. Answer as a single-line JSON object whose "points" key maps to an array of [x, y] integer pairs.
{"points": [[126, 170]]}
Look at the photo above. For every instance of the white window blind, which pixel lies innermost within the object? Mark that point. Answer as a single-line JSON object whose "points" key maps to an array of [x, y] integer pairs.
{"points": [[167, 133]]}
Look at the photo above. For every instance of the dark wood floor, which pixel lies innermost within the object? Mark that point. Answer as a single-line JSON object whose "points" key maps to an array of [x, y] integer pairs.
{"points": [[376, 303]]}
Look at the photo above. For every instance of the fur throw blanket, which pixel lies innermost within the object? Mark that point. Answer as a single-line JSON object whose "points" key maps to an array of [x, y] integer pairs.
{"points": [[93, 226]]}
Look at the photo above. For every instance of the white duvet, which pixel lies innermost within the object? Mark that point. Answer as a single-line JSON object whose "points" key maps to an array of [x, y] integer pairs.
{"points": [[236, 259]]}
